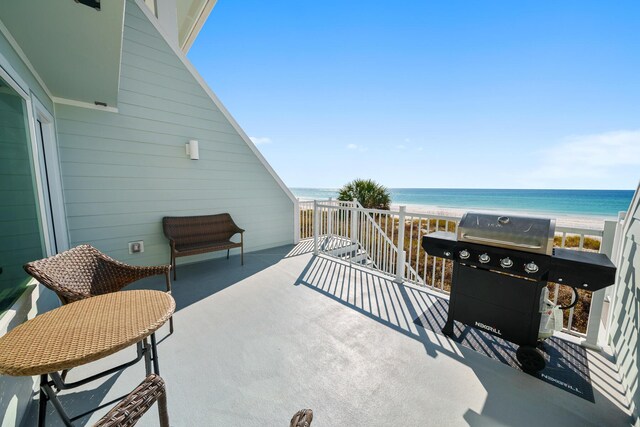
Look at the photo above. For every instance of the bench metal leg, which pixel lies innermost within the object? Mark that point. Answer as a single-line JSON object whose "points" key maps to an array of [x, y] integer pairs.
{"points": [[227, 253]]}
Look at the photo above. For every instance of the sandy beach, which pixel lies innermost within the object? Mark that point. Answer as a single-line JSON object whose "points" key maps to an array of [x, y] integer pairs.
{"points": [[561, 220]]}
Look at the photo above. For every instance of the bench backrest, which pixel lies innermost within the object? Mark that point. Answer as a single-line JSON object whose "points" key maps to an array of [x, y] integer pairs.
{"points": [[199, 229]]}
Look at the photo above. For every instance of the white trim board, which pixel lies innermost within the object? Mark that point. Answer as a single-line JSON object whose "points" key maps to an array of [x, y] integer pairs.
{"points": [[82, 104], [180, 54], [54, 183], [14, 44], [9, 75], [197, 26]]}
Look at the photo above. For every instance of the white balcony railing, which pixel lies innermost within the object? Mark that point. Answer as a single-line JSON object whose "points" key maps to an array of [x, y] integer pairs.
{"points": [[372, 238]]}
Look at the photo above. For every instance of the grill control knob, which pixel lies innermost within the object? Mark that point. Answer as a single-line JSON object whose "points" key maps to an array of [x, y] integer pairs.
{"points": [[531, 267], [484, 258], [506, 263], [464, 254]]}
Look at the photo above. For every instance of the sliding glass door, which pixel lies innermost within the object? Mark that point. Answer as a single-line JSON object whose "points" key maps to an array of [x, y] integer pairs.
{"points": [[21, 237]]}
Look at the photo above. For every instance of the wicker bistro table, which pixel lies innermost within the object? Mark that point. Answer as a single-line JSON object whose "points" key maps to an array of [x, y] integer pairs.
{"points": [[82, 332]]}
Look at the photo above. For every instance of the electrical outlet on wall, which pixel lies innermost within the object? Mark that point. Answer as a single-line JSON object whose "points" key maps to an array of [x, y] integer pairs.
{"points": [[136, 247]]}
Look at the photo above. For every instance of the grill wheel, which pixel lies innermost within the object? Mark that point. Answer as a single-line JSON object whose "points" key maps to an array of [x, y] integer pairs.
{"points": [[531, 359]]}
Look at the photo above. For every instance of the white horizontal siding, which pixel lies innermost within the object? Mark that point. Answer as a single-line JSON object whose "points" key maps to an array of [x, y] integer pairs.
{"points": [[123, 172]]}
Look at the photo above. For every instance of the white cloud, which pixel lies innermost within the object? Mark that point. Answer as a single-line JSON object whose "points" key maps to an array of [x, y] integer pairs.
{"points": [[401, 147], [357, 147], [587, 157], [258, 140]]}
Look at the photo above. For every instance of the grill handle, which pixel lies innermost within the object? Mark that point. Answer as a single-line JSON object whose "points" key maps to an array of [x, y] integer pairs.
{"points": [[500, 242]]}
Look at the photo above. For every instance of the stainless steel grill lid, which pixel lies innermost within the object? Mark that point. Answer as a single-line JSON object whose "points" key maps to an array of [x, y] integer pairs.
{"points": [[527, 234]]}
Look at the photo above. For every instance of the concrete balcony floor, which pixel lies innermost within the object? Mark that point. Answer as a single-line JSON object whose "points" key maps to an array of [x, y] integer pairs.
{"points": [[288, 330]]}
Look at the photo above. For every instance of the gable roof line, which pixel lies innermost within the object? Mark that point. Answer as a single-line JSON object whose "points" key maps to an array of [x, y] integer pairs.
{"points": [[185, 61]]}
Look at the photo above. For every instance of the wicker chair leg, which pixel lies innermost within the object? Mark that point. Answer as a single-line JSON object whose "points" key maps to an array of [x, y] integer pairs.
{"points": [[173, 266], [170, 325], [163, 413], [241, 255], [302, 418], [227, 253]]}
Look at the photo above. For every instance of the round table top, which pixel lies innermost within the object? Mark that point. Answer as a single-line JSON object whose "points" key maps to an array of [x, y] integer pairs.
{"points": [[83, 331]]}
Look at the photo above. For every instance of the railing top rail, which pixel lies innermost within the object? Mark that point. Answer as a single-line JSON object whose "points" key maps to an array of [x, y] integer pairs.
{"points": [[580, 230]]}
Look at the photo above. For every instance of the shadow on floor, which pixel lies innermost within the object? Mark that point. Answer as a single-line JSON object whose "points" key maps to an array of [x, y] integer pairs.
{"points": [[397, 305], [203, 279]]}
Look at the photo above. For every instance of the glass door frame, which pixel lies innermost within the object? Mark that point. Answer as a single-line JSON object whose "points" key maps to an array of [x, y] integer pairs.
{"points": [[34, 108]]}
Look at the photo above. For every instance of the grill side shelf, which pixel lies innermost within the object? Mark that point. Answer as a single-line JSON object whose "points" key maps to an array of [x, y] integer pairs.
{"points": [[584, 270], [441, 244]]}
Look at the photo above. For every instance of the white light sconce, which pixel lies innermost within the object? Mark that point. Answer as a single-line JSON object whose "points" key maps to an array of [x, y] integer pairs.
{"points": [[192, 149]]}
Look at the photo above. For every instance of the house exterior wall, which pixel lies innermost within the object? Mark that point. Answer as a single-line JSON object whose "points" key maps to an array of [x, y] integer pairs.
{"points": [[122, 172], [625, 325]]}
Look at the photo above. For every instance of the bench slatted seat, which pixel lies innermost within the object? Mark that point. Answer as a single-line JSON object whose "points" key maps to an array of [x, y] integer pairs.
{"points": [[193, 235]]}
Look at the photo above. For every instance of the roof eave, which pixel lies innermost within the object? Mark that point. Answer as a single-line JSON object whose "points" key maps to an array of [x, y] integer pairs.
{"points": [[186, 44]]}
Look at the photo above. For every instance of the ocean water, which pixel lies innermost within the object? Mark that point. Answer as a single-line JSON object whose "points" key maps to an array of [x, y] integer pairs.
{"points": [[590, 203]]}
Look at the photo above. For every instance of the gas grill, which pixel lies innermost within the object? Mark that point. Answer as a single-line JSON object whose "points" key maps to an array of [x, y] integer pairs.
{"points": [[502, 264]]}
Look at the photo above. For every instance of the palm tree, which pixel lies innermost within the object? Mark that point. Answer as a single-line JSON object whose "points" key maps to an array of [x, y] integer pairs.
{"points": [[369, 193]]}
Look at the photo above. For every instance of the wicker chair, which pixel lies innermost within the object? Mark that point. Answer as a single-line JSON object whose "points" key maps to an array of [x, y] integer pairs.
{"points": [[302, 418], [84, 272], [137, 403]]}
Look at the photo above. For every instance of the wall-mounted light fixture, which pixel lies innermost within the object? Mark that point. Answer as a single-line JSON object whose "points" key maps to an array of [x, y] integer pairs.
{"points": [[192, 149]]}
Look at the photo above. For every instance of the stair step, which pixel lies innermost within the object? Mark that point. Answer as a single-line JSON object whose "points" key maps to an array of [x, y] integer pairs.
{"points": [[342, 250], [358, 256]]}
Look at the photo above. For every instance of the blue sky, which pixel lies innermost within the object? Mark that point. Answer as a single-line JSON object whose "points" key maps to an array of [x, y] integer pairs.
{"points": [[468, 94]]}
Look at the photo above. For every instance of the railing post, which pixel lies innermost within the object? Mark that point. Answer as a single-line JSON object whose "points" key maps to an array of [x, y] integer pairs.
{"points": [[354, 221], [597, 298], [316, 226], [296, 221], [401, 253], [330, 218]]}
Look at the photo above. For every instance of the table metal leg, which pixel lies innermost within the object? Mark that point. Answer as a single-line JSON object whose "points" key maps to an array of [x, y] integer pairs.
{"points": [[42, 403], [154, 351], [147, 356], [48, 394], [53, 398]]}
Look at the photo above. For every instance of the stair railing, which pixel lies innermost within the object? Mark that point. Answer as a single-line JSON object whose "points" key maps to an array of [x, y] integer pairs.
{"points": [[366, 236]]}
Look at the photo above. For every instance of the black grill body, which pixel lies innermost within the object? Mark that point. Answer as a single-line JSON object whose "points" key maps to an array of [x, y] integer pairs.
{"points": [[508, 308], [503, 298]]}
